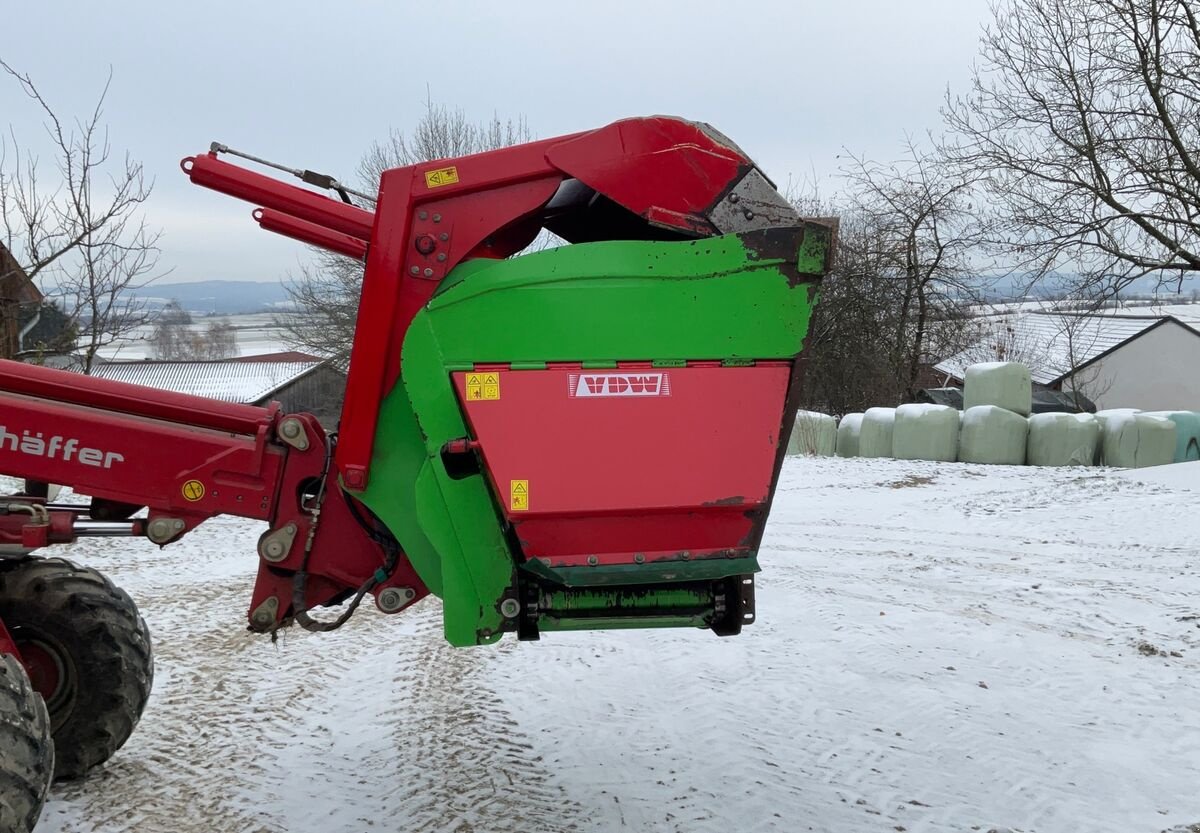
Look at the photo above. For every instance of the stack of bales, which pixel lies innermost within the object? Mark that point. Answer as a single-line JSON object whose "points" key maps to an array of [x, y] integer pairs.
{"points": [[997, 397], [995, 427]]}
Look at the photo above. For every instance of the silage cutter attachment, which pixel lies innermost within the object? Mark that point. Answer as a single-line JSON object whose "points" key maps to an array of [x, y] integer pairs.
{"points": [[581, 437]]}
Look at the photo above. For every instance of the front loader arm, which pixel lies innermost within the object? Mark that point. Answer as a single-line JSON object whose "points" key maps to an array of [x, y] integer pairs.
{"points": [[186, 459]]}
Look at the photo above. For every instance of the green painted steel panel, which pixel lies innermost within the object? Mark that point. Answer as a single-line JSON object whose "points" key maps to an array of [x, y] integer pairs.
{"points": [[731, 297]]}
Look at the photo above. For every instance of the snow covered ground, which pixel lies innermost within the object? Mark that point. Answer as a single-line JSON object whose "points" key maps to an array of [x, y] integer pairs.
{"points": [[257, 333], [938, 648]]}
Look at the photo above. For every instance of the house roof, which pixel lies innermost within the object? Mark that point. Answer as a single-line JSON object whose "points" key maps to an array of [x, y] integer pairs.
{"points": [[1052, 344], [227, 380]]}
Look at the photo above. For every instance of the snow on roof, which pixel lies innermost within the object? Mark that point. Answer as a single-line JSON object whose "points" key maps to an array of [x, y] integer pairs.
{"points": [[1050, 344], [229, 381]]}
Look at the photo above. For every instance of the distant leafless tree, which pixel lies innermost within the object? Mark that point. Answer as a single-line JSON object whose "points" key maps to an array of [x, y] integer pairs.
{"points": [[1083, 124], [175, 339], [922, 230], [325, 294], [79, 229]]}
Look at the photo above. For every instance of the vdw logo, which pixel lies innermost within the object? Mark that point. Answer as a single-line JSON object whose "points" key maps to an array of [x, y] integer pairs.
{"points": [[618, 384]]}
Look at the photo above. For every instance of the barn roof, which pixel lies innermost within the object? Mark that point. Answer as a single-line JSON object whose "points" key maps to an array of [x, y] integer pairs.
{"points": [[1051, 344], [227, 380]]}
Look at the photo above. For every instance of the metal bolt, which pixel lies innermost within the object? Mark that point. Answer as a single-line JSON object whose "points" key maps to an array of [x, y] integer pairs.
{"points": [[274, 550], [392, 599], [747, 213], [593, 560], [290, 428], [685, 555], [443, 237], [638, 558], [424, 215], [264, 615], [416, 270], [734, 198], [437, 218], [510, 608], [441, 256], [428, 272], [160, 530]]}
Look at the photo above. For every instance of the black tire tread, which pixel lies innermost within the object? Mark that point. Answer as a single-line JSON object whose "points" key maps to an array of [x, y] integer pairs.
{"points": [[100, 625], [26, 749]]}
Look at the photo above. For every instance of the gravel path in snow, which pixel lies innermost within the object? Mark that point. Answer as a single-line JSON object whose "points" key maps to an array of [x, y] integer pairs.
{"points": [[938, 648]]}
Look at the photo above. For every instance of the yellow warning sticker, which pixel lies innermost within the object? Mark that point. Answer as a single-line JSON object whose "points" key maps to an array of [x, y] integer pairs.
{"points": [[518, 493], [440, 177], [483, 386], [193, 490]]}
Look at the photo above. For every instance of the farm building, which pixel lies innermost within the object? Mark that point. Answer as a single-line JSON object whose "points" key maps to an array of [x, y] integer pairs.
{"points": [[1118, 361], [17, 294], [297, 381]]}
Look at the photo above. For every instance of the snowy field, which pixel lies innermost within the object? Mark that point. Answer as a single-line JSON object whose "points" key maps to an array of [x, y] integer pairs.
{"points": [[257, 333], [938, 648]]}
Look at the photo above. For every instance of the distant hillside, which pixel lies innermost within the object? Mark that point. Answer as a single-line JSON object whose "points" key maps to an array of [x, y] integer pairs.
{"points": [[219, 297]]}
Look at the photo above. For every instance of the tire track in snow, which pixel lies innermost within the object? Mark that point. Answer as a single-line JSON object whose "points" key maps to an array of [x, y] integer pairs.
{"points": [[378, 724]]}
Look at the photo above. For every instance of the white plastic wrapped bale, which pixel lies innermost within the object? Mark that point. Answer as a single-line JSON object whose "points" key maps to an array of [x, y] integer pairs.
{"points": [[994, 435], [1062, 440], [813, 434], [1135, 441], [1102, 418], [1187, 433], [847, 435], [875, 433], [926, 432], [1004, 384]]}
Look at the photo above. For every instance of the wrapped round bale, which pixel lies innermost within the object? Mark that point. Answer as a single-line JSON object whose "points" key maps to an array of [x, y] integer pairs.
{"points": [[1187, 433], [992, 435], [1062, 440], [875, 433], [1135, 441], [926, 432], [813, 434], [847, 435], [1004, 384], [1102, 418]]}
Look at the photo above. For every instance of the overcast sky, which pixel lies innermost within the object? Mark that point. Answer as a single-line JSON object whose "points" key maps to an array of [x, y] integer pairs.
{"points": [[311, 84]]}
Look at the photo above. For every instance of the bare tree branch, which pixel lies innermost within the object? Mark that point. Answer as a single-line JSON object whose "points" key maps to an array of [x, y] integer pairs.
{"points": [[84, 240], [1083, 126]]}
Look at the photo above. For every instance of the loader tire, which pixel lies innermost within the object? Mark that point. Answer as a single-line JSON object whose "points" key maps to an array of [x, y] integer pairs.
{"points": [[26, 750], [89, 655]]}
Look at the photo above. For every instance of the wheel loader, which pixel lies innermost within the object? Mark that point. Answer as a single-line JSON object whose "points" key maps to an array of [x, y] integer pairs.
{"points": [[580, 437]]}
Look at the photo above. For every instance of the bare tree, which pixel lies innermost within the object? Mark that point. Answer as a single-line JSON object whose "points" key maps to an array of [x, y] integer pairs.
{"points": [[920, 231], [176, 339], [325, 294], [82, 236], [1083, 122]]}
